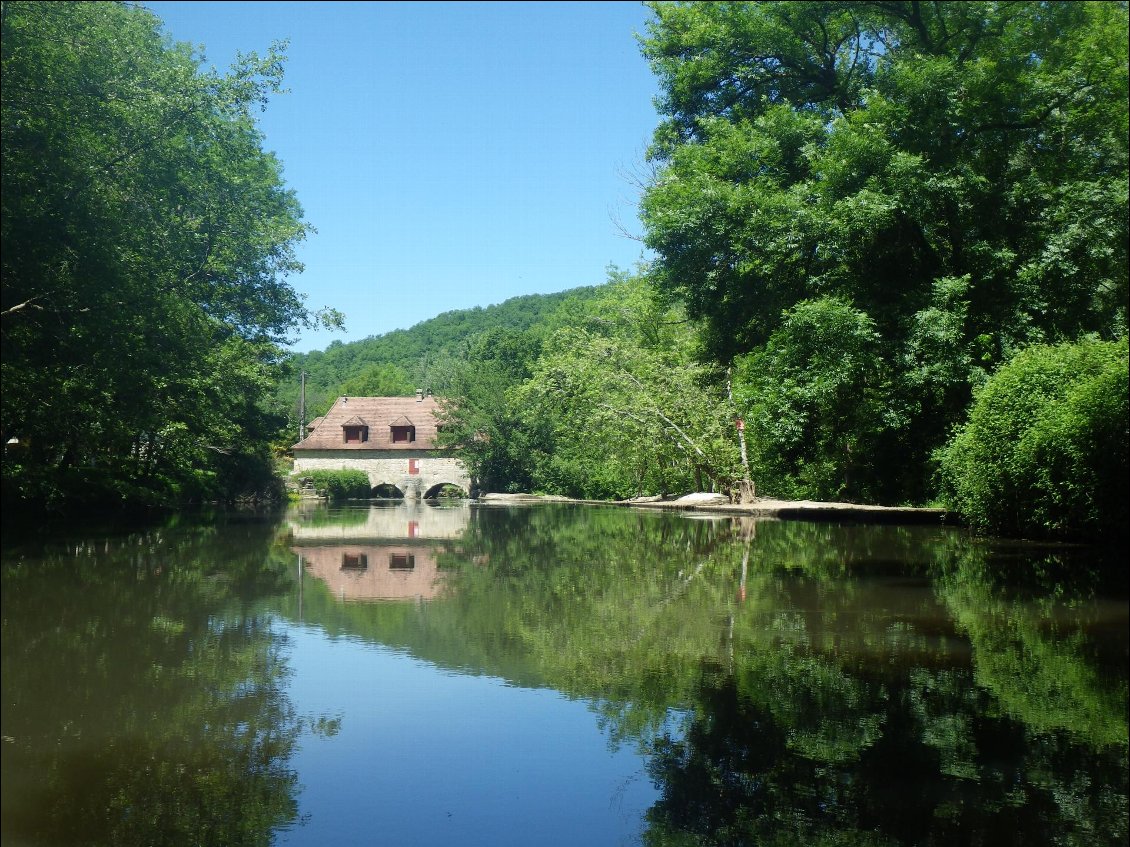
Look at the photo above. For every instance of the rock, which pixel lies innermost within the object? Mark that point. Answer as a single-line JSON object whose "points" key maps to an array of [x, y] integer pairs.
{"points": [[703, 498]]}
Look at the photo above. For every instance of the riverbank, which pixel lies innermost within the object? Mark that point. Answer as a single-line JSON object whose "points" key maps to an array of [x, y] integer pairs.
{"points": [[764, 507]]}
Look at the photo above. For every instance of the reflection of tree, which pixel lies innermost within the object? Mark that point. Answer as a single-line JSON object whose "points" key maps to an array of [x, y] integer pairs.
{"points": [[826, 696], [738, 776], [1034, 653], [805, 738], [142, 693]]}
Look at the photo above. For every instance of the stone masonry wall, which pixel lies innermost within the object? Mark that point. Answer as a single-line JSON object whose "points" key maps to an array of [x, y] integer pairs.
{"points": [[387, 467]]}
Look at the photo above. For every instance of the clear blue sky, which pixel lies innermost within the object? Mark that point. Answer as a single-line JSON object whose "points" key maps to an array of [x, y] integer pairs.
{"points": [[450, 155]]}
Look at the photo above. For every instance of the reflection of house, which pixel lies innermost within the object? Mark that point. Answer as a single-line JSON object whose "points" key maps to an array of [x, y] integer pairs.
{"points": [[391, 439], [375, 572], [377, 552]]}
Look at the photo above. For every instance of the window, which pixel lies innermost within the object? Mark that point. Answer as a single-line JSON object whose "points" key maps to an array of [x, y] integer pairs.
{"points": [[354, 561], [356, 434], [403, 434], [401, 562]]}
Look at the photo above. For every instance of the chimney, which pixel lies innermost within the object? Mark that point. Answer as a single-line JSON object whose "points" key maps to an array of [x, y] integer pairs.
{"points": [[419, 394]]}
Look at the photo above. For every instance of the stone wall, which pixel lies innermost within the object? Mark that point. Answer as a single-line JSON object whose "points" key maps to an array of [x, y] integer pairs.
{"points": [[389, 467]]}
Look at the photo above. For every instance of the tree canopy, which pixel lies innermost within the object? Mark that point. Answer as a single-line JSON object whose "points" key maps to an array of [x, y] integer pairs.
{"points": [[954, 172], [148, 239]]}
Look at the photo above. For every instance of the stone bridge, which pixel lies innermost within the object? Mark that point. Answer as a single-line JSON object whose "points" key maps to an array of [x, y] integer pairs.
{"points": [[413, 475]]}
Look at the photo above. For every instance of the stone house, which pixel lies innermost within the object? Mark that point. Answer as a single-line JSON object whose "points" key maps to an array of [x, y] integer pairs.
{"points": [[391, 439]]}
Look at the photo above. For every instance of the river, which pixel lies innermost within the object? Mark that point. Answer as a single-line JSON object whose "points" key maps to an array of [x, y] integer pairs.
{"points": [[468, 674]]}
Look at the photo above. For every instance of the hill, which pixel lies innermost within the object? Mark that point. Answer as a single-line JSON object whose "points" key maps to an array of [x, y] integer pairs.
{"points": [[398, 362]]}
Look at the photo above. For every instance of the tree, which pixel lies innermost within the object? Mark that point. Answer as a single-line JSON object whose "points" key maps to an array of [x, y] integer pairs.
{"points": [[147, 240], [379, 381], [478, 416], [956, 172], [629, 409], [1046, 448], [821, 405]]}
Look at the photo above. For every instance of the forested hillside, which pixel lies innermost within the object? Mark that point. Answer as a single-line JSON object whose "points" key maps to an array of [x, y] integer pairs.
{"points": [[398, 362]]}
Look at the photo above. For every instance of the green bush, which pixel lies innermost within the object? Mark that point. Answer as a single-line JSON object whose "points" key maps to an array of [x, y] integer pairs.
{"points": [[341, 485], [1044, 451]]}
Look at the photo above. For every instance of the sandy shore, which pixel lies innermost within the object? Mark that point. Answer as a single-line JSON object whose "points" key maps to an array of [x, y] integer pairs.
{"points": [[760, 507]]}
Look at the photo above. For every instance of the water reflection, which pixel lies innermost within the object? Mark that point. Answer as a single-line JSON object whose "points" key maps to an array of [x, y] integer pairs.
{"points": [[805, 683], [777, 682], [375, 572], [144, 692], [384, 552], [413, 519]]}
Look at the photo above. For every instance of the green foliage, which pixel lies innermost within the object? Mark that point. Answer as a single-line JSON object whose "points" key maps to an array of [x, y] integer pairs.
{"points": [[147, 240], [378, 381], [1046, 448], [398, 362], [956, 172], [341, 485], [603, 400], [820, 405], [479, 419]]}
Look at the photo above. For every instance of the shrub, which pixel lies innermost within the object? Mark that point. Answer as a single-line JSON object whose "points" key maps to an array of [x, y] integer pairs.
{"points": [[341, 485], [1044, 451]]}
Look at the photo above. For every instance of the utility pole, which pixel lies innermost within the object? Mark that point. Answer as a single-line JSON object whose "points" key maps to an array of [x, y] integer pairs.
{"points": [[302, 410]]}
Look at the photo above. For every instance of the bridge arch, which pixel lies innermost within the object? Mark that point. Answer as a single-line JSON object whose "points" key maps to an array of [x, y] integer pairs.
{"points": [[445, 490], [386, 491]]}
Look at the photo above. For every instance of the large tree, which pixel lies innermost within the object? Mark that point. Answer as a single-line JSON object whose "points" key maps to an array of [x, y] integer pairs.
{"points": [[147, 241], [955, 172]]}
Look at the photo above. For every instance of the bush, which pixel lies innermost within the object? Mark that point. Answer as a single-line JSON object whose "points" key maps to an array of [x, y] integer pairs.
{"points": [[341, 485], [1044, 451]]}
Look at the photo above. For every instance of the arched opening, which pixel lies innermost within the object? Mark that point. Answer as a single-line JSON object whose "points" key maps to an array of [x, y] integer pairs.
{"points": [[445, 491], [386, 491]]}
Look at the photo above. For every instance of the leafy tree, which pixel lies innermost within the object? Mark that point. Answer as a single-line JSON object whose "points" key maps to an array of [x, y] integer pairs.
{"points": [[626, 419], [1046, 447], [956, 172], [494, 442], [379, 381], [822, 410], [602, 399], [147, 241]]}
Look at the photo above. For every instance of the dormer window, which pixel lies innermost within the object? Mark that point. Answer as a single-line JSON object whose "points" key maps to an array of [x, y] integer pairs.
{"points": [[402, 431], [355, 431]]}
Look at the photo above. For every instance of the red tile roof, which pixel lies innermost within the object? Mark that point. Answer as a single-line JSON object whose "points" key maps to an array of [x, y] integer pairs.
{"points": [[379, 414]]}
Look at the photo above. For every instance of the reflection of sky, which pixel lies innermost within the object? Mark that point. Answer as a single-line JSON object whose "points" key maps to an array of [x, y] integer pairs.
{"points": [[432, 757]]}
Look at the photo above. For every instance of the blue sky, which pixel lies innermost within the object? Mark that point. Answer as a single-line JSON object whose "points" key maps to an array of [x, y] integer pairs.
{"points": [[450, 155]]}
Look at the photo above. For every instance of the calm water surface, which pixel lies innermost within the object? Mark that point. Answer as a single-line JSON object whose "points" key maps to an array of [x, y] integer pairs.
{"points": [[470, 675]]}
